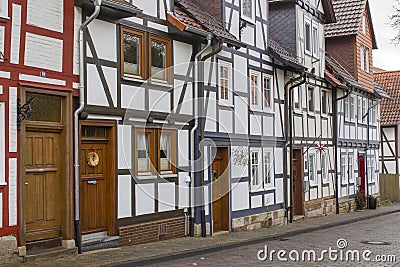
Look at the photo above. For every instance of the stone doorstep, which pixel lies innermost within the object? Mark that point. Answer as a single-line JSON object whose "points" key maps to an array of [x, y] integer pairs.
{"points": [[50, 254]]}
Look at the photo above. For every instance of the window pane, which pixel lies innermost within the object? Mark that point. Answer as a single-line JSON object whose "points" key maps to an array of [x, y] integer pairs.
{"points": [[247, 8], [311, 106], [267, 92], [267, 167], [324, 102], [352, 107], [158, 60], [362, 57], [223, 82], [297, 97], [165, 152], [308, 36], [311, 169], [315, 41], [132, 51], [91, 131], [143, 152], [254, 168], [45, 107], [254, 89]]}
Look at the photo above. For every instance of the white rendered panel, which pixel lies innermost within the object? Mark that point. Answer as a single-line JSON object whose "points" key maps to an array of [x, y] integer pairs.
{"points": [[211, 125], [2, 144], [225, 121], [241, 118], [149, 7], [12, 196], [186, 107], [106, 48], [132, 97], [15, 33], [12, 124], [2, 38], [269, 199], [1, 210], [183, 148], [159, 101], [77, 24], [255, 125], [182, 57], [240, 74], [240, 196], [124, 146], [268, 126], [238, 169], [96, 94], [256, 201], [166, 196], [144, 199], [279, 191], [46, 14], [124, 196], [183, 190]]}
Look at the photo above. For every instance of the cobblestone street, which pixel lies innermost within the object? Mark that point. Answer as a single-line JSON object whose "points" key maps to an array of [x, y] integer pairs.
{"points": [[383, 228]]}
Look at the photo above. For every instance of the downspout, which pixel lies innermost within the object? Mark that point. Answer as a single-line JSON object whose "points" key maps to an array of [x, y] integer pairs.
{"points": [[82, 28], [201, 143], [195, 107], [289, 142], [336, 141]]}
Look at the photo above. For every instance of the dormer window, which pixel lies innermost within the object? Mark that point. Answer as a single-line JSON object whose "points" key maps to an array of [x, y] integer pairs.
{"points": [[248, 10], [4, 8], [364, 24]]}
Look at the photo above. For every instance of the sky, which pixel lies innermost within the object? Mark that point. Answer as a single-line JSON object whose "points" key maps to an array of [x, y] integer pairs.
{"points": [[387, 56]]}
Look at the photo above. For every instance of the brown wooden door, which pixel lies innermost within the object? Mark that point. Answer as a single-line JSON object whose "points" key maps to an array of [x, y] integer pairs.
{"points": [[220, 191], [298, 192], [43, 185], [93, 188]]}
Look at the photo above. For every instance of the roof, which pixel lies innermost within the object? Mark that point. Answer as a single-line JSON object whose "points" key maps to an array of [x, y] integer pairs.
{"points": [[390, 108], [348, 19], [338, 75], [190, 14], [283, 55], [115, 9]]}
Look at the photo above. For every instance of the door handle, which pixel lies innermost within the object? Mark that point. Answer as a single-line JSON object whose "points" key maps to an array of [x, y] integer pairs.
{"points": [[26, 183], [92, 182]]}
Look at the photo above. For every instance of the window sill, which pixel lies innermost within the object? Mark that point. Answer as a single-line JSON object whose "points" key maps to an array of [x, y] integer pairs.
{"points": [[146, 176], [132, 78], [4, 18], [3, 184], [225, 104], [169, 175], [323, 115], [160, 83]]}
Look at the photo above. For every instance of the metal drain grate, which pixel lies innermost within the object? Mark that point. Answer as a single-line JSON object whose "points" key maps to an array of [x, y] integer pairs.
{"points": [[378, 243]]}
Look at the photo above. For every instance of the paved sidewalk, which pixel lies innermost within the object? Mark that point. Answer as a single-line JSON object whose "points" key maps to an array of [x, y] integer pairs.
{"points": [[172, 249]]}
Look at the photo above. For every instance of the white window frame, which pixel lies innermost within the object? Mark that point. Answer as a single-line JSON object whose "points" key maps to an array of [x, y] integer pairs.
{"points": [[271, 183], [343, 169], [364, 24], [324, 167], [251, 19], [352, 108], [307, 21], [259, 104], [4, 8], [297, 92], [312, 172], [367, 60], [324, 103], [256, 183], [315, 39], [308, 99], [359, 108], [371, 168], [365, 109], [2, 143], [346, 109], [362, 58], [350, 158], [229, 101], [269, 108]]}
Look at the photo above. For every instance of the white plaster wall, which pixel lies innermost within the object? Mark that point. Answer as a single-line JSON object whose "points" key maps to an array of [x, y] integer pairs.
{"points": [[12, 187], [132, 97], [240, 196], [225, 121], [2, 144], [95, 94], [211, 125], [106, 48], [241, 115], [166, 196], [182, 56], [15, 33], [46, 14], [124, 196], [77, 24], [183, 148], [256, 201], [159, 101], [183, 190], [124, 146], [144, 200]]}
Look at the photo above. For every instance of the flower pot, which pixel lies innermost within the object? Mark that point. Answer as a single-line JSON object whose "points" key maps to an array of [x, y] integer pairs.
{"points": [[372, 203]]}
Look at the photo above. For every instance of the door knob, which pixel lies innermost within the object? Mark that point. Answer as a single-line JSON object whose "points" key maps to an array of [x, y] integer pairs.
{"points": [[26, 183], [92, 182]]}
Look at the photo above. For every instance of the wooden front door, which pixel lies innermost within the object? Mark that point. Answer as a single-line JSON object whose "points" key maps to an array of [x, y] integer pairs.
{"points": [[43, 184], [97, 180], [298, 193], [220, 191]]}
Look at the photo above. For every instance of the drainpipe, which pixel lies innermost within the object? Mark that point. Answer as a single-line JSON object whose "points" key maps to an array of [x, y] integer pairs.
{"points": [[201, 143], [288, 129], [96, 12], [195, 106], [336, 141]]}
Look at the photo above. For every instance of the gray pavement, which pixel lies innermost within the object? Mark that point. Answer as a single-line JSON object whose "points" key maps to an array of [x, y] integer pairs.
{"points": [[165, 252]]}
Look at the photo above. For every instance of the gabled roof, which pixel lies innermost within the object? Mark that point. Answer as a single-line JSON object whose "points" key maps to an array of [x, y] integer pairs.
{"points": [[326, 4], [113, 9], [190, 14], [348, 19], [339, 76], [277, 51], [390, 108]]}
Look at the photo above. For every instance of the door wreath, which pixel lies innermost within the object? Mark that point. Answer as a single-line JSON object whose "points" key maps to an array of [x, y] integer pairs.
{"points": [[93, 159]]}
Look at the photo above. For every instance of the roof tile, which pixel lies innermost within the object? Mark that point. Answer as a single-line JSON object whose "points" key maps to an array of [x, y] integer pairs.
{"points": [[390, 108]]}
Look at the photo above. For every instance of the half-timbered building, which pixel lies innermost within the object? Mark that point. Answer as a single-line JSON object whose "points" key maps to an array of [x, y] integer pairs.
{"points": [[36, 89], [350, 41], [389, 156]]}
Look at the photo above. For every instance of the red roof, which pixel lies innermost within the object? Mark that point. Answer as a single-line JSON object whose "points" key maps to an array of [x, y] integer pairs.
{"points": [[390, 108]]}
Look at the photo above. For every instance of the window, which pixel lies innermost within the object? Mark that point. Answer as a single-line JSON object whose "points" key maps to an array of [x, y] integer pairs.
{"points": [[352, 108], [346, 108], [255, 89], [371, 168], [324, 167], [248, 10], [134, 60], [364, 24], [224, 82], [268, 168], [311, 168], [366, 60], [133, 53], [4, 8], [149, 144], [297, 98], [362, 63], [311, 99], [364, 110], [315, 41], [360, 109], [256, 180], [343, 169], [307, 35], [351, 168], [159, 58], [373, 115], [324, 102], [267, 92]]}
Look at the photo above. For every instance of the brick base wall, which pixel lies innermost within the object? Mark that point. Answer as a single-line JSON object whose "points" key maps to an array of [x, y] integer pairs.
{"points": [[319, 208], [152, 231]]}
